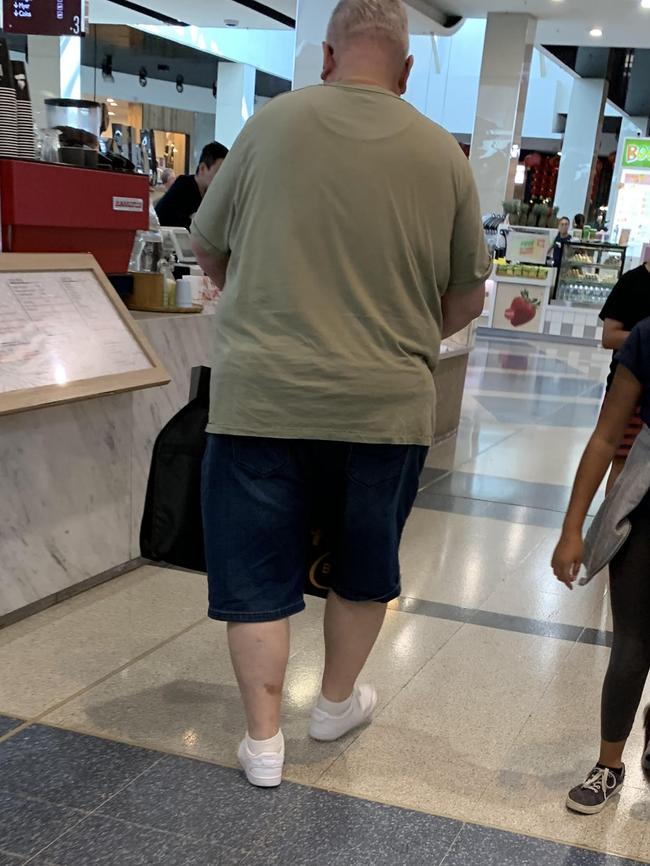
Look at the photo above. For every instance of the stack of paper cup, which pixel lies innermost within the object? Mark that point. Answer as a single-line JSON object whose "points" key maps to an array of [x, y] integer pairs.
{"points": [[8, 107], [25, 116]]}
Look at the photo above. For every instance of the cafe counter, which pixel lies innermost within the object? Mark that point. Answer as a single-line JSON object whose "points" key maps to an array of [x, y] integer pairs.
{"points": [[74, 475]]}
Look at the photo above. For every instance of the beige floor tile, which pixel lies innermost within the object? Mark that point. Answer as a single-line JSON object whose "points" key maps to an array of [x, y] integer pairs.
{"points": [[547, 600], [461, 560], [51, 656], [555, 749], [405, 766], [551, 755], [566, 721], [443, 738], [528, 457], [473, 438], [184, 699], [535, 575], [497, 669]]}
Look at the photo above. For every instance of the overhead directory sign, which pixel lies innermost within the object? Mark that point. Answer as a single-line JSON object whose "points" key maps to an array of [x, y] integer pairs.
{"points": [[636, 153], [44, 17]]}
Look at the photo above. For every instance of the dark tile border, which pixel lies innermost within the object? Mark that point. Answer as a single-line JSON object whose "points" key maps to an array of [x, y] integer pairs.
{"points": [[502, 621]]}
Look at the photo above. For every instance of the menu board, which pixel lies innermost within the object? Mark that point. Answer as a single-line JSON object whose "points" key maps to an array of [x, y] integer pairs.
{"points": [[61, 330]]}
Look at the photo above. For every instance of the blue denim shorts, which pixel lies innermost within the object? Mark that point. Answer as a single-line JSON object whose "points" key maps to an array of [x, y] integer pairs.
{"points": [[263, 497]]}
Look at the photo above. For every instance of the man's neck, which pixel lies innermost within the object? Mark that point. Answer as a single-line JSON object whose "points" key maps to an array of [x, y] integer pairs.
{"points": [[352, 80]]}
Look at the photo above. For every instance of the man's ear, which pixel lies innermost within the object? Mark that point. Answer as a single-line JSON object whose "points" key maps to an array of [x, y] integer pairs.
{"points": [[406, 72], [329, 63]]}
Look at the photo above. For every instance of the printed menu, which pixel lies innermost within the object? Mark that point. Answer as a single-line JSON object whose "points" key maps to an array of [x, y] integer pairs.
{"points": [[60, 327]]}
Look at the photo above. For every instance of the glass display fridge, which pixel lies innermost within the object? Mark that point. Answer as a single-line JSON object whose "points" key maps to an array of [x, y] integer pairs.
{"points": [[588, 272]]}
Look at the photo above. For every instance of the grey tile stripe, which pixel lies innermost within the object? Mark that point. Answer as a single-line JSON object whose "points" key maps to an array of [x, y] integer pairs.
{"points": [[487, 618], [502, 621], [511, 499]]}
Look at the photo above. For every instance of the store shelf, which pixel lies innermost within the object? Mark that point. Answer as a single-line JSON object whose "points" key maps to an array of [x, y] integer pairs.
{"points": [[522, 281], [601, 287], [575, 264]]}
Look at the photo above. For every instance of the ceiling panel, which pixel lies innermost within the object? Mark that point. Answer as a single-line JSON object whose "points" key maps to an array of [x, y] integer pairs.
{"points": [[624, 23]]}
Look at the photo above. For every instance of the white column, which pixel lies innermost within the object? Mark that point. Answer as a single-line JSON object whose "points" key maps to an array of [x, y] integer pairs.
{"points": [[53, 70], [235, 100], [581, 143], [312, 18], [631, 127], [505, 72]]}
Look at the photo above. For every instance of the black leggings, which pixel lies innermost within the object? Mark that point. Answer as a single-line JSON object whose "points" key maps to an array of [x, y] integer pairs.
{"points": [[630, 660]]}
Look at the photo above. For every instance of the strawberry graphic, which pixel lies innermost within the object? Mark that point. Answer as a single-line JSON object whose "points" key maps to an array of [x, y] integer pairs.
{"points": [[522, 310]]}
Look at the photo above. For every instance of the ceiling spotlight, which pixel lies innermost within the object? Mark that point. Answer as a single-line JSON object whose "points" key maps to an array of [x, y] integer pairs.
{"points": [[180, 83], [231, 22], [142, 76], [111, 114], [107, 68], [597, 33]]}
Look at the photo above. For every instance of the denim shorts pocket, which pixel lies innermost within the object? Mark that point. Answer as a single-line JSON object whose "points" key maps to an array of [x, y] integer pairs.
{"points": [[371, 465], [260, 457]]}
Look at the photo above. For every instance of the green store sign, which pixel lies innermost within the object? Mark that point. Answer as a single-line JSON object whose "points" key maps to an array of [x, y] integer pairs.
{"points": [[636, 153]]}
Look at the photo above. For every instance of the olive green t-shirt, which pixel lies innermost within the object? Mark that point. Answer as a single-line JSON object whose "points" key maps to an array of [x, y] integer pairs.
{"points": [[347, 215]]}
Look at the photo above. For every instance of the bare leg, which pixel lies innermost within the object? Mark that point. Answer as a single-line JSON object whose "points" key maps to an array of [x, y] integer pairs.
{"points": [[611, 754], [259, 653], [617, 467], [351, 629]]}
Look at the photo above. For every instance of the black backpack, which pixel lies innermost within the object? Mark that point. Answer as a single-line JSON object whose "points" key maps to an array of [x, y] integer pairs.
{"points": [[172, 524]]}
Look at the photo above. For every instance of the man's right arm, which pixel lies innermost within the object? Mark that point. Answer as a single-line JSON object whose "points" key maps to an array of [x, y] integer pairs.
{"points": [[470, 262], [459, 309]]}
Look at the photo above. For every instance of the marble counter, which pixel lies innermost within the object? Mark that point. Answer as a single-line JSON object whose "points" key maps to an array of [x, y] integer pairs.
{"points": [[74, 476]]}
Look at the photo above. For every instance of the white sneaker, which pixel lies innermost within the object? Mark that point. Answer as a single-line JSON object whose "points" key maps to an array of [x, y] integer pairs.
{"points": [[328, 728], [263, 771]]}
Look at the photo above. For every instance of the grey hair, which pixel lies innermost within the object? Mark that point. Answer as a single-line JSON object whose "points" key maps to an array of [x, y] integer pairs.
{"points": [[370, 18]]}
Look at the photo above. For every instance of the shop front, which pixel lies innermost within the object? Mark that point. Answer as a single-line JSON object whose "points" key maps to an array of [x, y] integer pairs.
{"points": [[525, 295]]}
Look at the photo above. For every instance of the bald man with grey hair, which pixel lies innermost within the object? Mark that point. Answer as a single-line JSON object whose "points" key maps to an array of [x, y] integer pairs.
{"points": [[346, 232], [373, 20]]}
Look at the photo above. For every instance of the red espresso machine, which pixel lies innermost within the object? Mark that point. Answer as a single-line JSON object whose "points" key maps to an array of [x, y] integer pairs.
{"points": [[50, 208]]}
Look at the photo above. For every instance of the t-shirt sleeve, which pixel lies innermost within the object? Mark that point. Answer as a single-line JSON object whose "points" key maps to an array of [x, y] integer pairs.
{"points": [[471, 264], [635, 354], [618, 304], [212, 223]]}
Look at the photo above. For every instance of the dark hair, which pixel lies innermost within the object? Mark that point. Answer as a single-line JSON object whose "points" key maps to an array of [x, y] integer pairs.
{"points": [[579, 220], [211, 153], [565, 218]]}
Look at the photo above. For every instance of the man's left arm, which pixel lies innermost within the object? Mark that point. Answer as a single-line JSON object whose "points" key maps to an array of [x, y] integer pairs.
{"points": [[213, 263], [212, 223]]}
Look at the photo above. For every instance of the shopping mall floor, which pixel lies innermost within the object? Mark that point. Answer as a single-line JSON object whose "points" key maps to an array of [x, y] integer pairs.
{"points": [[121, 714]]}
